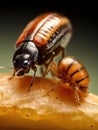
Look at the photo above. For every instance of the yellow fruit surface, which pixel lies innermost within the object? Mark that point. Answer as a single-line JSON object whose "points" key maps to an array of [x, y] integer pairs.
{"points": [[21, 109]]}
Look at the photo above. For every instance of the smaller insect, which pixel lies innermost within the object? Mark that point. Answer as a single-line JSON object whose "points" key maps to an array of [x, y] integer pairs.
{"points": [[71, 71]]}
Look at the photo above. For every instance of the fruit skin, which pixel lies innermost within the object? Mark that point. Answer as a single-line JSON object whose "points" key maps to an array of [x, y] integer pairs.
{"points": [[34, 110]]}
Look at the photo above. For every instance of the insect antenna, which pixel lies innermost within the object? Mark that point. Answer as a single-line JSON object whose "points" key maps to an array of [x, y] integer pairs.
{"points": [[4, 67], [8, 67]]}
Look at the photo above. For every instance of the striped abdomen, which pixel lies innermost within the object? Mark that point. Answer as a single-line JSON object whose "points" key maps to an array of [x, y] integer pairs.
{"points": [[73, 70]]}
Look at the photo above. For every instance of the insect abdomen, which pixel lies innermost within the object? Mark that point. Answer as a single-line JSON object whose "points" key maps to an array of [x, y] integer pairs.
{"points": [[75, 72]]}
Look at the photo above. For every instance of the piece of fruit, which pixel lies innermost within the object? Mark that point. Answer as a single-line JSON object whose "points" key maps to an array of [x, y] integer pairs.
{"points": [[37, 110]]}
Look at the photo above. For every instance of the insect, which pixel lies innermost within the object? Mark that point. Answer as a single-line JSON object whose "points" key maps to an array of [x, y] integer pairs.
{"points": [[71, 71], [41, 40]]}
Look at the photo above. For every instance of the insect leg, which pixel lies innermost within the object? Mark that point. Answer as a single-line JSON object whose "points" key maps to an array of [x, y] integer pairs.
{"points": [[63, 52], [51, 89], [52, 67], [47, 65], [42, 69], [76, 94], [33, 78]]}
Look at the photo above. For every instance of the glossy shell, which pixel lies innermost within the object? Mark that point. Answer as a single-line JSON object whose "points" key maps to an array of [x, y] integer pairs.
{"points": [[46, 30]]}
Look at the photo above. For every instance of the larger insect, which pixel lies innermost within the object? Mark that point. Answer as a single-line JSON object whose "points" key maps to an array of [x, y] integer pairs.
{"points": [[71, 72], [41, 40]]}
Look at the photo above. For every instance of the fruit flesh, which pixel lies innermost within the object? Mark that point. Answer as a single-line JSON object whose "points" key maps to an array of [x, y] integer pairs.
{"points": [[20, 109]]}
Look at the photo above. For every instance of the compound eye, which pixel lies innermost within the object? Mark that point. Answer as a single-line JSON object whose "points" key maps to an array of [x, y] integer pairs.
{"points": [[26, 63]]}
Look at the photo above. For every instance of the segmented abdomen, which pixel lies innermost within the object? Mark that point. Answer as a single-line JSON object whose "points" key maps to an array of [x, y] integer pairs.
{"points": [[73, 70]]}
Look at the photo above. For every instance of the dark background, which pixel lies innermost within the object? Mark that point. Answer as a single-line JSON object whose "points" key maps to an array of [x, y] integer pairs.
{"points": [[83, 45]]}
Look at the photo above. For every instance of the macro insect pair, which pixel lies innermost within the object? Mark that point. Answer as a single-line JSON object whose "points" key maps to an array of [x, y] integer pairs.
{"points": [[42, 39]]}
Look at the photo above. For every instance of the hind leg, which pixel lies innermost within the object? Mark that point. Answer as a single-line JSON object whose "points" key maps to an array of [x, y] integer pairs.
{"points": [[52, 67], [76, 95]]}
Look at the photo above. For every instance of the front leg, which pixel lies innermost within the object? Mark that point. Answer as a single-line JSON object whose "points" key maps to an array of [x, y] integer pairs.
{"points": [[33, 77]]}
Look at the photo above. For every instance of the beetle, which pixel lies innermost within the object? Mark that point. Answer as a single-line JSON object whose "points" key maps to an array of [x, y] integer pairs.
{"points": [[42, 39], [71, 72]]}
